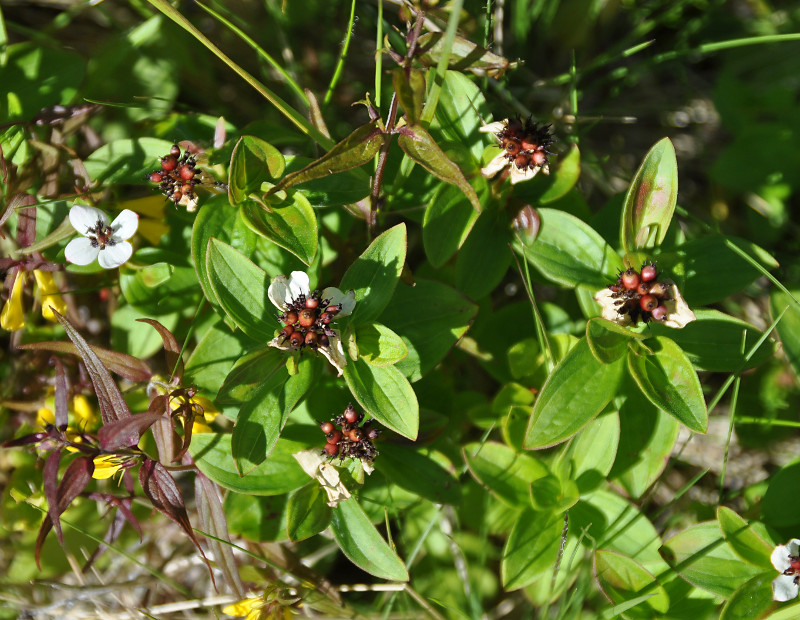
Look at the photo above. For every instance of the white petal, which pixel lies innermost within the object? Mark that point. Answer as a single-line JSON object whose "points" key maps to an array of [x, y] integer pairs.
{"points": [[278, 291], [784, 588], [546, 169], [279, 342], [495, 166], [495, 127], [326, 474], [116, 255], [794, 547], [780, 558], [335, 353], [518, 176], [84, 218], [298, 285], [609, 306], [125, 224], [678, 312], [80, 251], [337, 297]]}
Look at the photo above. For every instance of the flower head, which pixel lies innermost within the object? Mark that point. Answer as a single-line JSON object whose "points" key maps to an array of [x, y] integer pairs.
{"points": [[308, 316], [524, 149], [640, 296], [786, 560], [104, 241]]}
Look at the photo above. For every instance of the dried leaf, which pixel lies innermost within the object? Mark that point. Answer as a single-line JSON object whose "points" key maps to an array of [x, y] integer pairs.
{"points": [[464, 55]]}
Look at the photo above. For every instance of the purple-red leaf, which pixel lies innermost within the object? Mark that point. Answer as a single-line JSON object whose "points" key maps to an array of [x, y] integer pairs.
{"points": [[62, 394], [26, 223], [171, 348], [126, 432], [127, 366], [50, 483], [112, 406], [76, 477], [163, 433]]}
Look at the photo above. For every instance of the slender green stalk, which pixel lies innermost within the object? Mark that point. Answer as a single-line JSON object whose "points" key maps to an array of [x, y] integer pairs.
{"points": [[379, 56], [340, 65], [436, 88], [734, 402], [718, 46]]}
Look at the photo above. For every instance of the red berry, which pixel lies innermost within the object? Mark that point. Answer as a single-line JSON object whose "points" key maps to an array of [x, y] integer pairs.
{"points": [[288, 331], [311, 339], [296, 339], [307, 317], [156, 177], [312, 302], [334, 436], [169, 163], [177, 195], [290, 318], [649, 272], [648, 303], [528, 144], [175, 150], [331, 449], [356, 434], [630, 279], [539, 158], [643, 288], [350, 414], [521, 161], [327, 427], [333, 309], [660, 312], [326, 317], [511, 146], [186, 172]]}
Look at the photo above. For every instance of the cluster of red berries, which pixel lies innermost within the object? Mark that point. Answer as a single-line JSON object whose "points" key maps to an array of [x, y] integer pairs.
{"points": [[641, 295], [307, 321], [350, 440], [178, 177], [525, 144]]}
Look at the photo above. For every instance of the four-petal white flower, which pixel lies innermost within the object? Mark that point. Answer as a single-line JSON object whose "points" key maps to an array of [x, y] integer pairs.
{"points": [[104, 241], [284, 292], [786, 560], [502, 159]]}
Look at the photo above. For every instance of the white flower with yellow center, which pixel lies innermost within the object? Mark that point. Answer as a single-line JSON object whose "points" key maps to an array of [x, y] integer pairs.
{"points": [[101, 240]]}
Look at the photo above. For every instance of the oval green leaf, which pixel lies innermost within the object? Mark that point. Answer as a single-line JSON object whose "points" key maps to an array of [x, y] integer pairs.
{"points": [[504, 472], [621, 579], [378, 345], [291, 225], [753, 601], [447, 222], [608, 341], [743, 539], [253, 162], [531, 549], [307, 512]]}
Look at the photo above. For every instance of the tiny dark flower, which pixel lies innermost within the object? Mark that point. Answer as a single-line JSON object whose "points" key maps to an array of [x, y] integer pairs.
{"points": [[352, 441], [179, 177], [524, 149]]}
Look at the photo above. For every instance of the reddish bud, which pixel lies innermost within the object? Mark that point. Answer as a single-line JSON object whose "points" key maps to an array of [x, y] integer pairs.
{"points": [[326, 318], [311, 339], [648, 303], [290, 318], [307, 317], [323, 340], [356, 434], [327, 427], [288, 331], [169, 163], [296, 339], [630, 279], [331, 449], [175, 150], [334, 436], [312, 302], [660, 312], [350, 414], [155, 177], [333, 309], [539, 158], [643, 288], [511, 146], [521, 161], [649, 272], [186, 172], [528, 144]]}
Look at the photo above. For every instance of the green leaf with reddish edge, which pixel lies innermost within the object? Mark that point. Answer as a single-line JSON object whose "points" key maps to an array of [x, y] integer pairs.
{"points": [[291, 224], [714, 341], [569, 252], [576, 391], [333, 190], [355, 150], [385, 394], [241, 288], [249, 374], [374, 275], [410, 91], [217, 218], [363, 545], [420, 146], [753, 600], [429, 335], [279, 474], [531, 549], [608, 341], [743, 539], [464, 55], [418, 473], [622, 579], [307, 512], [378, 345], [668, 380], [650, 201], [253, 162], [504, 472], [262, 418], [702, 557], [132, 368], [447, 222]]}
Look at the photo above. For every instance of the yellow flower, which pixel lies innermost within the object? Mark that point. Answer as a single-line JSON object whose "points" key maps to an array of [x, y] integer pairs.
{"points": [[12, 317], [84, 416], [201, 423], [107, 465], [50, 295], [249, 608]]}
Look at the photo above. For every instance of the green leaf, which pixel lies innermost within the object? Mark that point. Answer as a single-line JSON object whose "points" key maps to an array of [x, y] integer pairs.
{"points": [[531, 549], [743, 539], [378, 345], [257, 517], [410, 92], [754, 600], [385, 394], [789, 327], [564, 177], [576, 391], [607, 340], [249, 373], [650, 201], [431, 333], [569, 252], [291, 224], [464, 56], [418, 473], [622, 579], [667, 379], [503, 472], [781, 503], [355, 150], [447, 222], [714, 341], [307, 512], [551, 493], [363, 545], [373, 276], [125, 161], [420, 146], [460, 113], [591, 454], [279, 474], [253, 162], [333, 190], [262, 418], [241, 288], [485, 256], [213, 358], [702, 557]]}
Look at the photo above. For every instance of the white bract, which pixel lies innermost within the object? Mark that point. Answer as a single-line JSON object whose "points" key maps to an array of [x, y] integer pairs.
{"points": [[786, 560], [288, 294], [104, 241]]}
